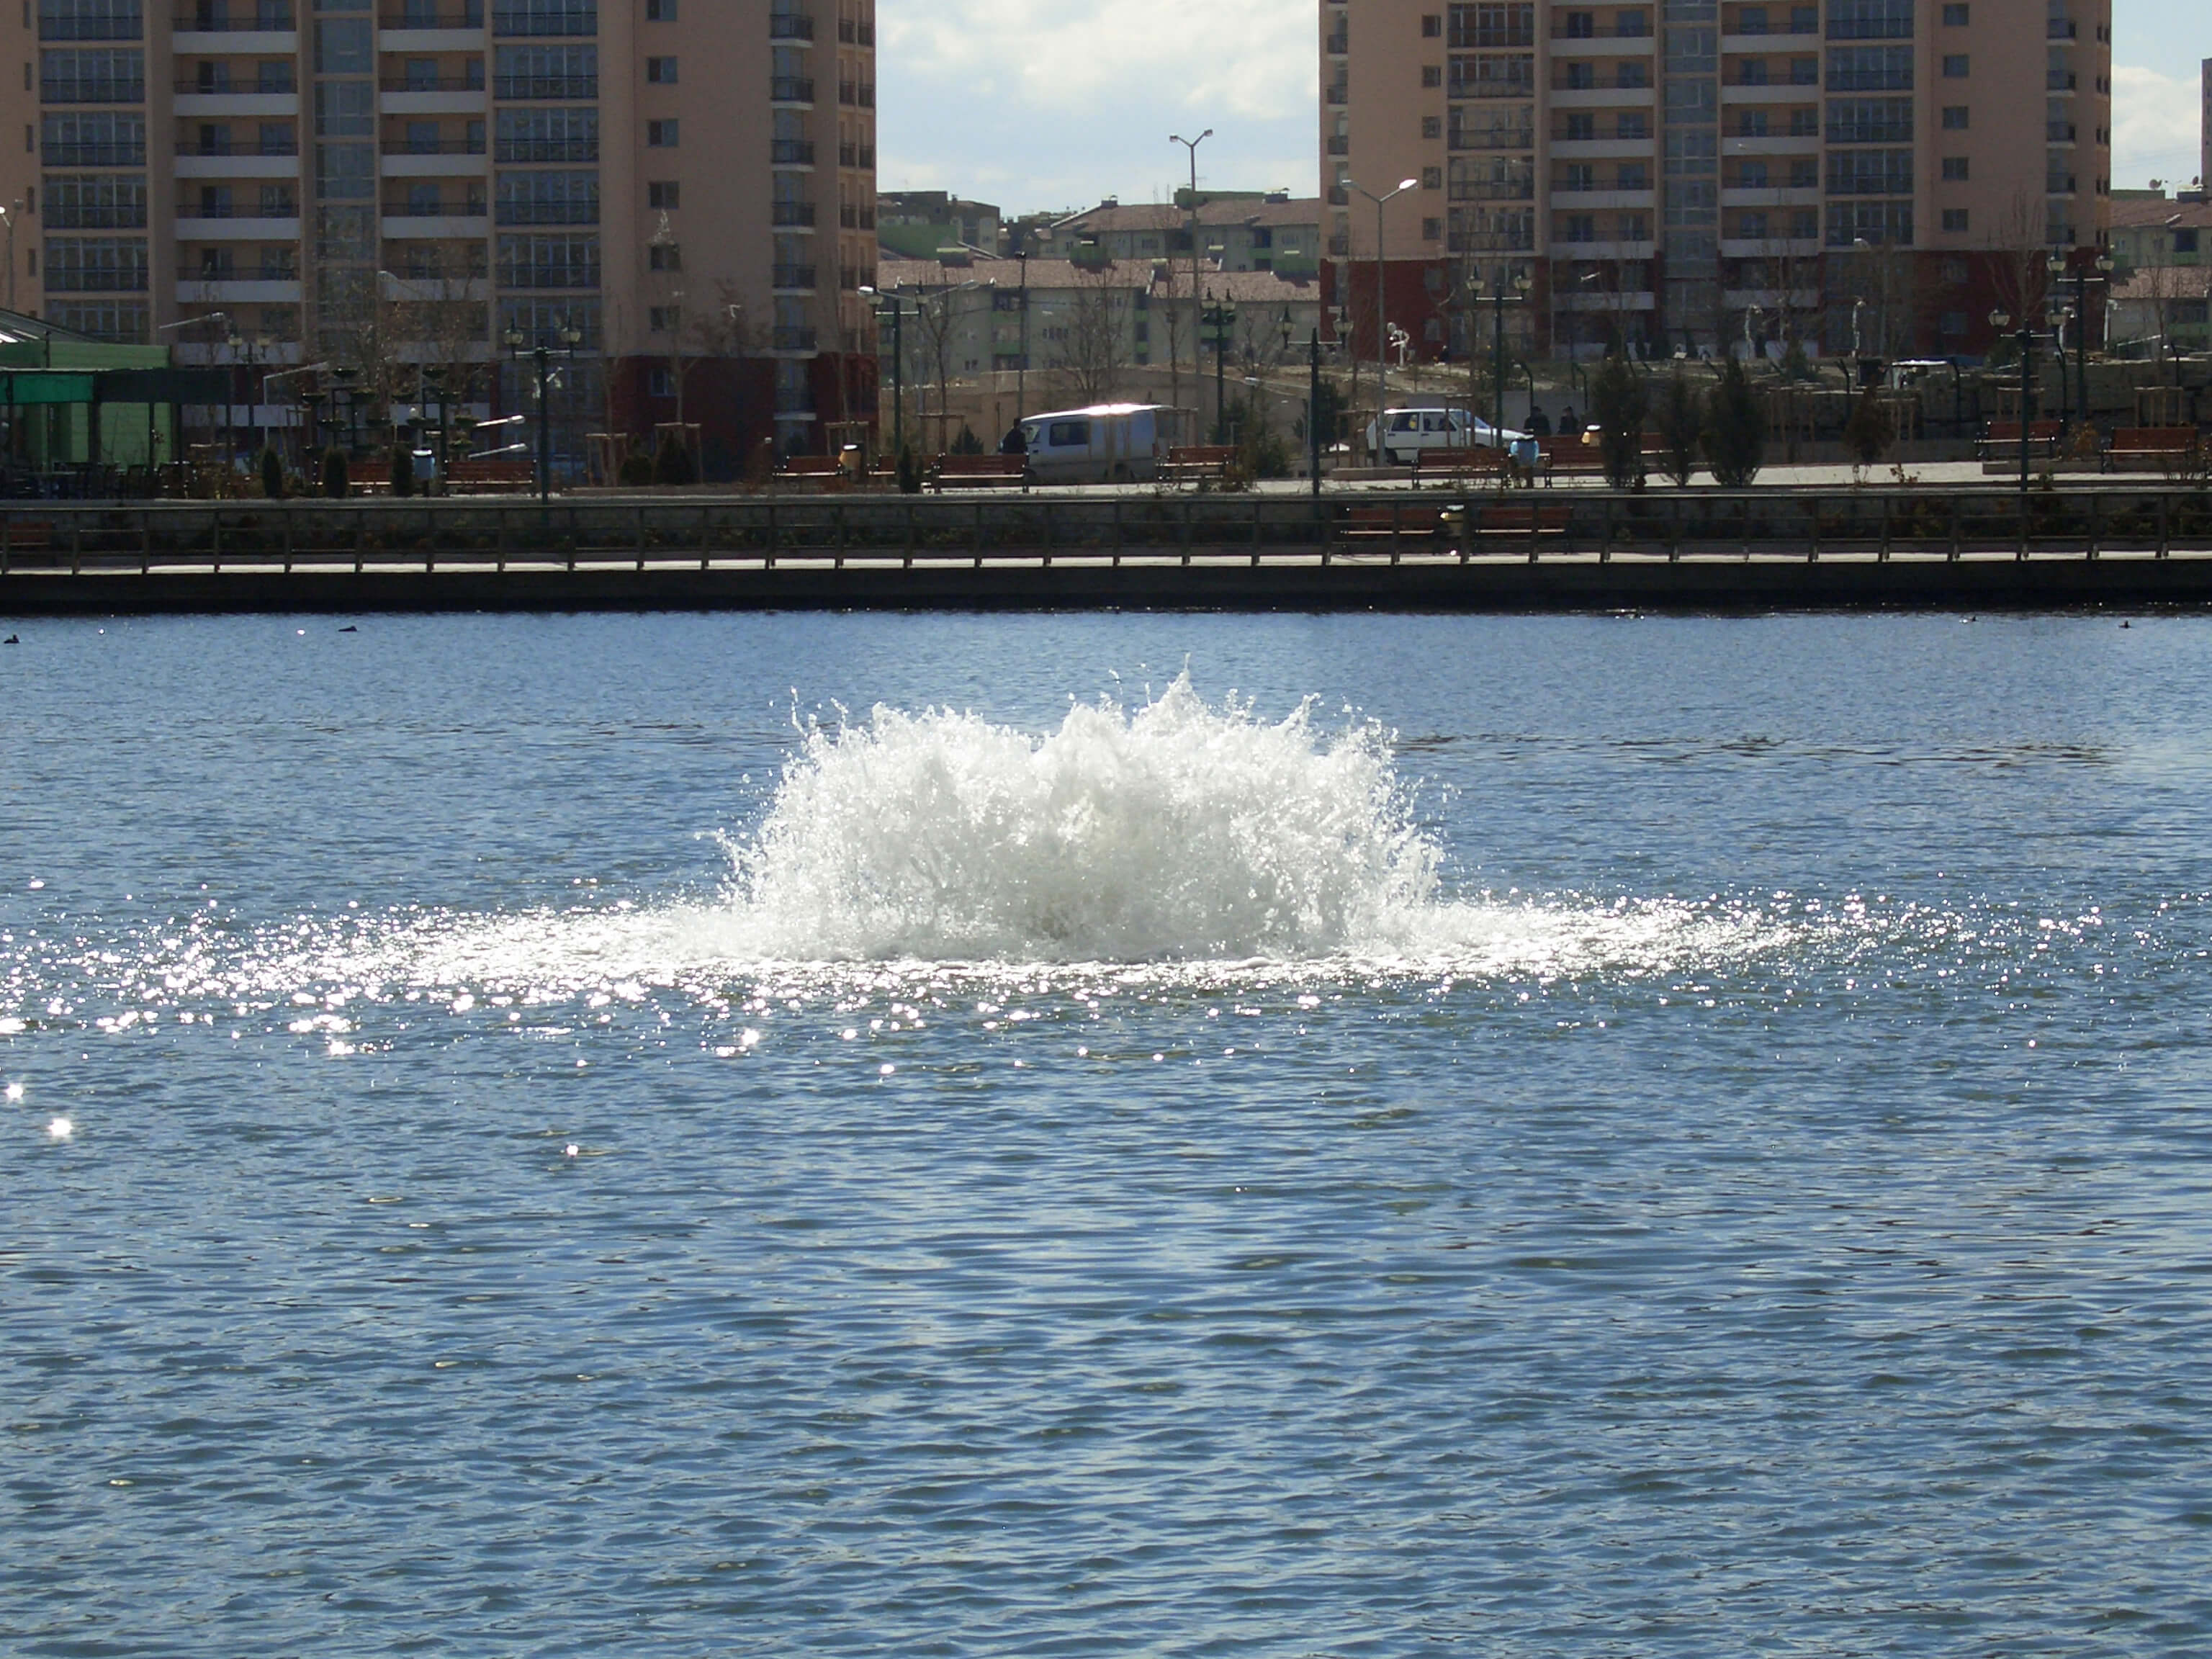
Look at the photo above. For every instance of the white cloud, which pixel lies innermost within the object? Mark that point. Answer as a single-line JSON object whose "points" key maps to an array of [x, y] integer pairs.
{"points": [[2154, 126], [1049, 103]]}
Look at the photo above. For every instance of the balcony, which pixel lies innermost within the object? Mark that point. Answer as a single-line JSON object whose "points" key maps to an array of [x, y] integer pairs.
{"points": [[2062, 28], [547, 85], [1338, 196], [792, 339], [792, 215], [1516, 88], [552, 277], [2058, 80], [790, 89], [273, 33], [1493, 138], [1602, 98], [2059, 132], [193, 98], [217, 19], [96, 26], [430, 17], [195, 224], [790, 153], [856, 34], [1339, 95], [1337, 44], [792, 278], [64, 154], [120, 217], [61, 279], [433, 147], [92, 92], [546, 213], [508, 22], [549, 149], [1602, 46], [790, 26]]}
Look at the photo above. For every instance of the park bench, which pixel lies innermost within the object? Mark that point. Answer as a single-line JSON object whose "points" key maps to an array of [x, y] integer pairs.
{"points": [[1516, 519], [1188, 463], [2002, 440], [1570, 457], [491, 475], [1483, 460], [25, 535], [810, 471], [978, 472], [2151, 449], [1383, 521]]}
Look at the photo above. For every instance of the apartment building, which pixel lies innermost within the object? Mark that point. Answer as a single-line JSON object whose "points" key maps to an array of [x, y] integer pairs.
{"points": [[1712, 175], [675, 197]]}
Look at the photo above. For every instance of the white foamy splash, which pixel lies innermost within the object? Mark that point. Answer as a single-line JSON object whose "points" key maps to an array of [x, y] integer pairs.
{"points": [[1178, 832]]}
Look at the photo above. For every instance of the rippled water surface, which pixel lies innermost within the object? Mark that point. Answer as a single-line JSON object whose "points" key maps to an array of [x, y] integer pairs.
{"points": [[673, 1136]]}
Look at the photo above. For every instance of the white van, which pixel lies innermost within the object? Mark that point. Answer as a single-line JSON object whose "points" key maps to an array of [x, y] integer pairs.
{"points": [[1108, 443], [1406, 432]]}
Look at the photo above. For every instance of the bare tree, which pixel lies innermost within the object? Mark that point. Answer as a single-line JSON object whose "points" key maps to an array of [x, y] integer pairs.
{"points": [[1090, 361], [2020, 273], [935, 322]]}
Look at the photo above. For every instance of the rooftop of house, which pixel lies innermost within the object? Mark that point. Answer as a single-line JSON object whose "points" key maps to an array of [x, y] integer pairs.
{"points": [[2147, 210], [2166, 282], [1109, 217]]}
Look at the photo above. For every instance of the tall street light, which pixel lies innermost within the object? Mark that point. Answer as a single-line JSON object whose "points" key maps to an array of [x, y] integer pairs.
{"points": [[1382, 309], [1196, 362], [898, 365]]}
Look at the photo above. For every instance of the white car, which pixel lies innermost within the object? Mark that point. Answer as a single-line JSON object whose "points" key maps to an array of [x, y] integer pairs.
{"points": [[1409, 431]]}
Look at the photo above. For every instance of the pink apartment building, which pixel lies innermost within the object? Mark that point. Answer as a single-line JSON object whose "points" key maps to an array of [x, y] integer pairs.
{"points": [[681, 189], [1693, 174]]}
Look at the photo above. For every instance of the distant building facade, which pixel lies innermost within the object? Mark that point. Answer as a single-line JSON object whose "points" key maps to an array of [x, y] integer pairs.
{"points": [[1695, 173], [914, 224], [1236, 232]]}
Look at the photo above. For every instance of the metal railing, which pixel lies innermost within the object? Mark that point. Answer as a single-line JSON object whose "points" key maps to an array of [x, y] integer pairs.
{"points": [[790, 26], [547, 85], [1869, 546]]}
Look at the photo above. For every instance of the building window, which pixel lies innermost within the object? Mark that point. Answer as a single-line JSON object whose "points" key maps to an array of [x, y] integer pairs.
{"points": [[1954, 118], [665, 319], [1805, 174], [1954, 16], [1580, 128], [1432, 26], [659, 382], [1954, 66], [659, 11], [1954, 221], [1433, 230], [660, 135], [1955, 170], [1432, 75], [665, 196], [665, 256], [1433, 126], [1432, 178], [1580, 26], [1954, 322], [660, 71]]}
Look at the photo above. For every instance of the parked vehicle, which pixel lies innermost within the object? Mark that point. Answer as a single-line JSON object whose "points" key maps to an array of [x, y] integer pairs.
{"points": [[1409, 431], [1108, 443]]}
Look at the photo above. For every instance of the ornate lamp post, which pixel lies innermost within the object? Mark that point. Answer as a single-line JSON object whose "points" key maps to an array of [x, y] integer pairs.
{"points": [[2001, 320], [541, 356], [1520, 287]]}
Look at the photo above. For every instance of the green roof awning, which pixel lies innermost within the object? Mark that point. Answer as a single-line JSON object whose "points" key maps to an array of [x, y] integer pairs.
{"points": [[44, 386]]}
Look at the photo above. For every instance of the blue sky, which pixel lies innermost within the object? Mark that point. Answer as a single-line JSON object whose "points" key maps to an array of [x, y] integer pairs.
{"points": [[1055, 103]]}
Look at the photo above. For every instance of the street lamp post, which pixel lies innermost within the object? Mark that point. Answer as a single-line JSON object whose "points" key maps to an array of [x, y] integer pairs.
{"points": [[1520, 286], [898, 365], [541, 356], [1313, 409], [1382, 310], [2000, 321], [1197, 366], [1221, 318]]}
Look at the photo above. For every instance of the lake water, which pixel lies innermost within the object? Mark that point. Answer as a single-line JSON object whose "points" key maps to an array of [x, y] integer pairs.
{"points": [[634, 1135]]}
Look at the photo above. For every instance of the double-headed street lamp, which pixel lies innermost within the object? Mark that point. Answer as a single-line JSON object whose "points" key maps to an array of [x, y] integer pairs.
{"points": [[1197, 367], [1519, 284], [2001, 320], [1382, 307], [898, 362], [541, 356], [2097, 270]]}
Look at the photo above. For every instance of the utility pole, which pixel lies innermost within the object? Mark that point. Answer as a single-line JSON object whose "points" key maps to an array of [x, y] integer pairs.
{"points": [[1197, 362], [1022, 363]]}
